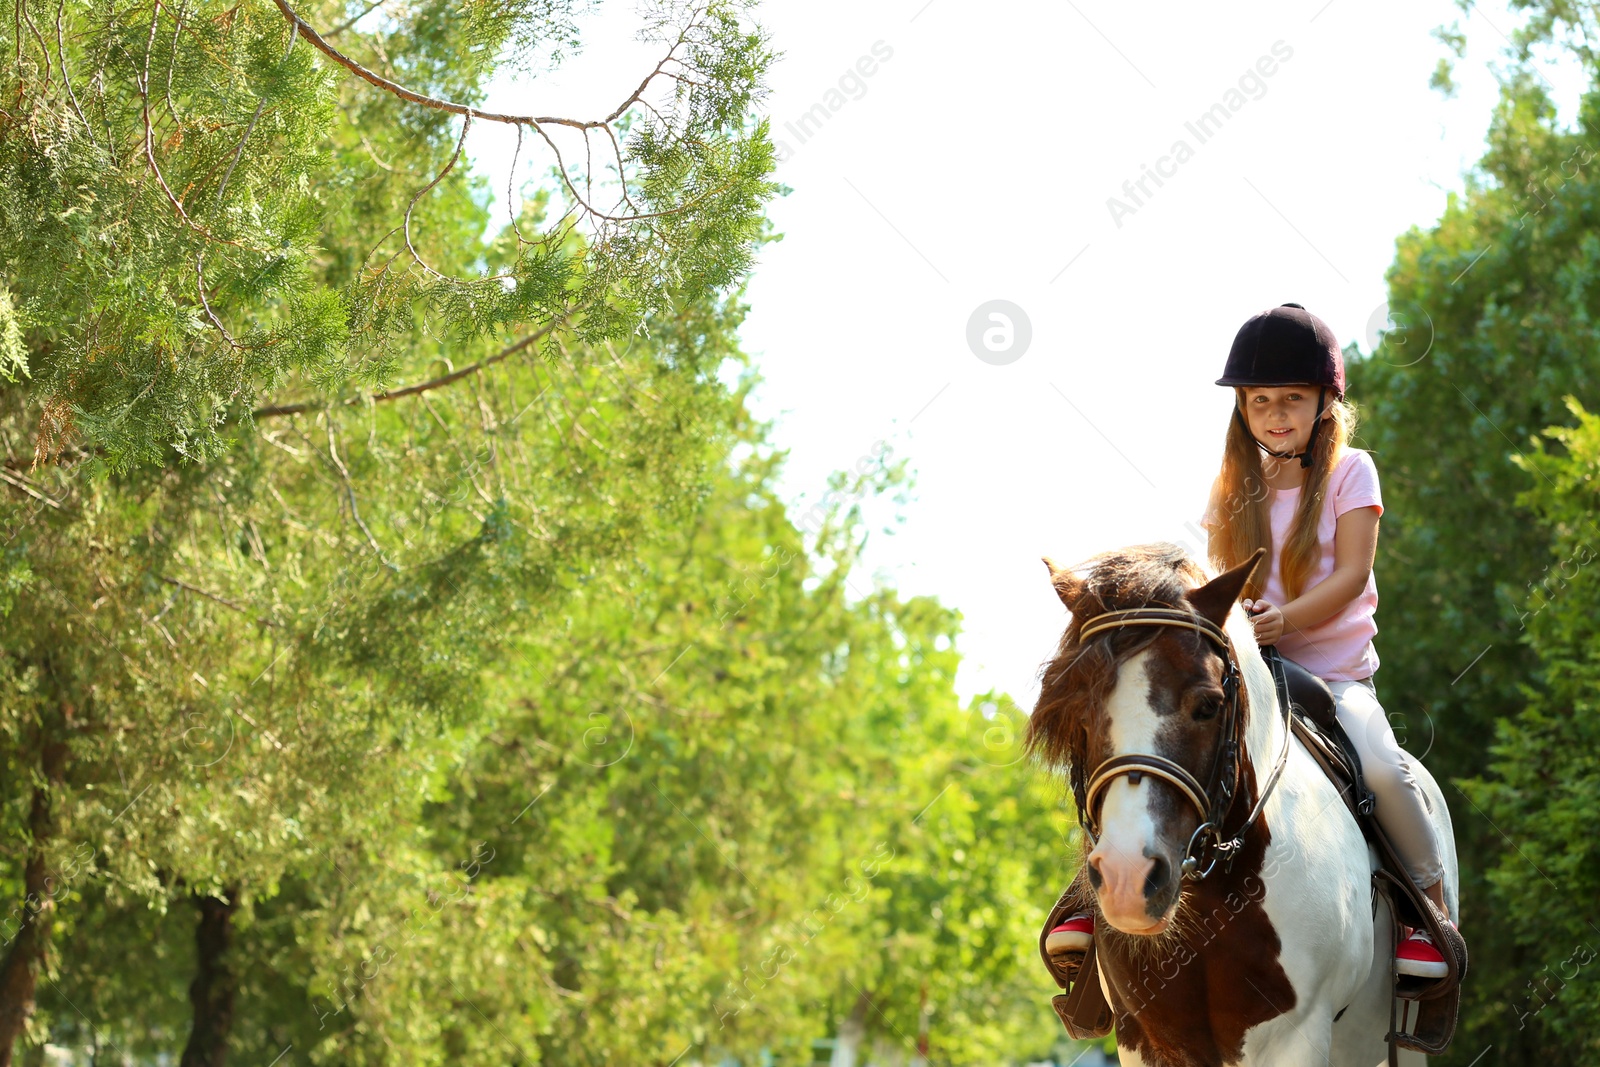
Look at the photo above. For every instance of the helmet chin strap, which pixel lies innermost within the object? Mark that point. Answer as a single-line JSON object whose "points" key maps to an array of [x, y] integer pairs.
{"points": [[1311, 442]]}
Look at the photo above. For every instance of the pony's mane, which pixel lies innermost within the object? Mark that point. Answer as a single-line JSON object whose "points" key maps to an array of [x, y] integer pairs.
{"points": [[1077, 680]]}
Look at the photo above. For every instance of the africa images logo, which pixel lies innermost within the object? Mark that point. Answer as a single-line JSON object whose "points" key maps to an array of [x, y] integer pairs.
{"points": [[1203, 128]]}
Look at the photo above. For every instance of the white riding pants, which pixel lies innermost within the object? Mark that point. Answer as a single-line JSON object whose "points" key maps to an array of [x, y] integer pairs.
{"points": [[1403, 808]]}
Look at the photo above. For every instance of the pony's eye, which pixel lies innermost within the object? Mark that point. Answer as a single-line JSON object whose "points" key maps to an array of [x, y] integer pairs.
{"points": [[1208, 708]]}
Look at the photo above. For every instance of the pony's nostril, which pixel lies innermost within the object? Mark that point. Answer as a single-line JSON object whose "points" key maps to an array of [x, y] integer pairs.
{"points": [[1096, 879], [1156, 880]]}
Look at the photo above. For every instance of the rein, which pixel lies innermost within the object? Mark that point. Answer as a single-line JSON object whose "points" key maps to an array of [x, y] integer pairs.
{"points": [[1213, 801]]}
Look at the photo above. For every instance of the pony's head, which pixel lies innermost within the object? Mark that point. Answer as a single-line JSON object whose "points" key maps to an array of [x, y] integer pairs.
{"points": [[1138, 691]]}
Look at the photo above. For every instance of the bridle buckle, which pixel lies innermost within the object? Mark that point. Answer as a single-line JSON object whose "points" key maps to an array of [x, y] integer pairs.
{"points": [[1191, 858]]}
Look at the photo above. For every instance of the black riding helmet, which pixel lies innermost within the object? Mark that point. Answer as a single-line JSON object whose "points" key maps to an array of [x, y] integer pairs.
{"points": [[1286, 345]]}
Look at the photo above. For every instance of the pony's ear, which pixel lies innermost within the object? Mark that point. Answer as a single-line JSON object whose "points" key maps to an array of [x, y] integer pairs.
{"points": [[1215, 599], [1069, 587]]}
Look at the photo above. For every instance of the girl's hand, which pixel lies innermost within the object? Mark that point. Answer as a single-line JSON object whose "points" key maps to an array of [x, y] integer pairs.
{"points": [[1268, 620]]}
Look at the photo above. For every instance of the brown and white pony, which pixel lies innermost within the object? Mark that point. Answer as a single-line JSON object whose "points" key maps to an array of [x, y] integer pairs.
{"points": [[1278, 956]]}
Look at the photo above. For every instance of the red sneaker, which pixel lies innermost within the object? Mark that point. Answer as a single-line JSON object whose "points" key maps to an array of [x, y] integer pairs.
{"points": [[1417, 956], [1074, 935]]}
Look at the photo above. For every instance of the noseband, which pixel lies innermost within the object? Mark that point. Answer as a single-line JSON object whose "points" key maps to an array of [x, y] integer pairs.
{"points": [[1213, 801]]}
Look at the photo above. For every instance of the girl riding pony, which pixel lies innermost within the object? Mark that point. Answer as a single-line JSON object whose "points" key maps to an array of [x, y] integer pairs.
{"points": [[1318, 518]]}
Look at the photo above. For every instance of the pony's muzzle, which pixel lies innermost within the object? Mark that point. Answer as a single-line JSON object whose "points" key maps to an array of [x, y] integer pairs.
{"points": [[1135, 891]]}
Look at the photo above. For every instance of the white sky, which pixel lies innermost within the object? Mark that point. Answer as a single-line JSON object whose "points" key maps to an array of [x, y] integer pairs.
{"points": [[975, 164]]}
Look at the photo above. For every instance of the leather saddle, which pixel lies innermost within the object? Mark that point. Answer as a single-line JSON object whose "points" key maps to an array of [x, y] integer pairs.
{"points": [[1082, 1008]]}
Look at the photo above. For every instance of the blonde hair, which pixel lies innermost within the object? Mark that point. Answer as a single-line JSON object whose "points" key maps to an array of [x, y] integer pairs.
{"points": [[1239, 499]]}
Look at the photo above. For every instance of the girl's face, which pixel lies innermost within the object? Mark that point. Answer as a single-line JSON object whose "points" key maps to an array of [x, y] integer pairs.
{"points": [[1281, 416]]}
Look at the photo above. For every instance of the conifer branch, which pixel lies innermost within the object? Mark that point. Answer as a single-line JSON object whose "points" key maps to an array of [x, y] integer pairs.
{"points": [[143, 83], [22, 483], [467, 465], [537, 122], [350, 493], [44, 50], [622, 179], [224, 601], [466, 125], [347, 23], [61, 51], [511, 200], [200, 287], [437, 104], [238, 150], [411, 390], [222, 187]]}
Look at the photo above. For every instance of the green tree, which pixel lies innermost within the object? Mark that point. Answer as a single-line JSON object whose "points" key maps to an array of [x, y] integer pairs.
{"points": [[747, 799], [1500, 303], [329, 610], [1545, 791], [698, 802], [250, 589], [249, 679], [173, 175]]}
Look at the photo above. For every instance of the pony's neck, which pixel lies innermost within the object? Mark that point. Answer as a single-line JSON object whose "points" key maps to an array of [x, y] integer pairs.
{"points": [[1264, 731]]}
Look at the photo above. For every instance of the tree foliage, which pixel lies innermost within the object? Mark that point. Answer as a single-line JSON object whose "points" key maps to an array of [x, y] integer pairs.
{"points": [[1499, 303], [202, 202], [1545, 791], [699, 798], [397, 667]]}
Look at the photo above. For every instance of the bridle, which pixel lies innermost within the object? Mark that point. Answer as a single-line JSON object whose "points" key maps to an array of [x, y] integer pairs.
{"points": [[1213, 801]]}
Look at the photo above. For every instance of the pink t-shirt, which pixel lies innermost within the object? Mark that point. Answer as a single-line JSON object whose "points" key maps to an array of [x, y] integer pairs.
{"points": [[1340, 648]]}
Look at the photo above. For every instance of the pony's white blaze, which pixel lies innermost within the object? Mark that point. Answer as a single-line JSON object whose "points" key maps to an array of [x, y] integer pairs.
{"points": [[1127, 828]]}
